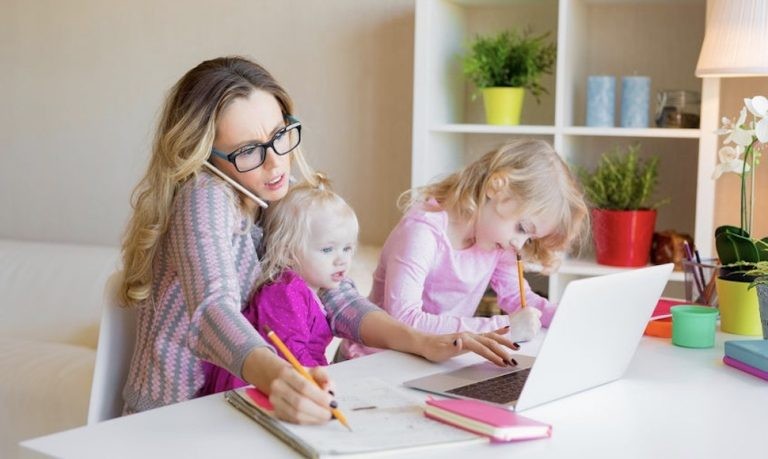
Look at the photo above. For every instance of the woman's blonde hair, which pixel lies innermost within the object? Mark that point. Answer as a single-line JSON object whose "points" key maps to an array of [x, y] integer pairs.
{"points": [[182, 143], [288, 223], [528, 170]]}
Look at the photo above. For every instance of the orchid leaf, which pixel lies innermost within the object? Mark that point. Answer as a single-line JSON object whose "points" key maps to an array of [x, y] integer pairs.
{"points": [[733, 247]]}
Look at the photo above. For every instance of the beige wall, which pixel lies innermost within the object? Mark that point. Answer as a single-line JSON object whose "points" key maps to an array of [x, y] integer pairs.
{"points": [[81, 83]]}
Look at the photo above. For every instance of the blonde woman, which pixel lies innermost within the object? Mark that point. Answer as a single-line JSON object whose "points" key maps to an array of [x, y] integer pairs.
{"points": [[190, 257], [463, 233]]}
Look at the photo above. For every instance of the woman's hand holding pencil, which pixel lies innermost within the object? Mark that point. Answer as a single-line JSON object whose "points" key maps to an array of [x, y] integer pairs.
{"points": [[307, 375]]}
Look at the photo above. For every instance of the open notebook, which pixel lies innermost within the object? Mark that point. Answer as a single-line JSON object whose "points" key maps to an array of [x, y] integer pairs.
{"points": [[384, 419]]}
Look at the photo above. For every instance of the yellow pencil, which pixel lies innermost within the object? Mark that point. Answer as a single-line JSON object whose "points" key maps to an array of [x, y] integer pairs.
{"points": [[302, 371], [520, 280]]}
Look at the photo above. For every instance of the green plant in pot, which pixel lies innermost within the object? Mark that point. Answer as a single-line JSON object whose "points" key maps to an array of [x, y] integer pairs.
{"points": [[503, 66], [619, 190], [759, 271], [740, 253]]}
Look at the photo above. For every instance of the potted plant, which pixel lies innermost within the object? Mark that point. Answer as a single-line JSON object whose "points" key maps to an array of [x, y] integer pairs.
{"points": [[739, 252], [759, 271], [623, 219], [503, 66]]}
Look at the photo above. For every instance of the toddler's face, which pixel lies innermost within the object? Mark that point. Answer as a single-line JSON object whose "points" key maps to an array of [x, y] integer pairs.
{"points": [[326, 260], [500, 226]]}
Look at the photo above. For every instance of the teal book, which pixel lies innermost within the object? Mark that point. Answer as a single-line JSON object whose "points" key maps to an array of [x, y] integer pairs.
{"points": [[753, 352]]}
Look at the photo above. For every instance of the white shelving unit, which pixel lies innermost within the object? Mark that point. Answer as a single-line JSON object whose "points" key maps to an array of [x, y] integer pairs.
{"points": [[660, 39]]}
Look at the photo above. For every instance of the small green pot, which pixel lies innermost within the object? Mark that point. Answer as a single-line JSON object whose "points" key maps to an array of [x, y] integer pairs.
{"points": [[503, 105], [693, 326]]}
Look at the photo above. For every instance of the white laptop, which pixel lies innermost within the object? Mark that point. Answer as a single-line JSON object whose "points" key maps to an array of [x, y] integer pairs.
{"points": [[591, 341]]}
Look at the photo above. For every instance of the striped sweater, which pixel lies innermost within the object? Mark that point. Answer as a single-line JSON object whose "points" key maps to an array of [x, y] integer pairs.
{"points": [[203, 274]]}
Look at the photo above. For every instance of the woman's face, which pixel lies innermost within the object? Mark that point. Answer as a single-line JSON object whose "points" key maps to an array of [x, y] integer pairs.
{"points": [[250, 120]]}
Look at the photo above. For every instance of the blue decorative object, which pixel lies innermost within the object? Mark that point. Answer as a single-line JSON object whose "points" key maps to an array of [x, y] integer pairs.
{"points": [[601, 90], [635, 97]]}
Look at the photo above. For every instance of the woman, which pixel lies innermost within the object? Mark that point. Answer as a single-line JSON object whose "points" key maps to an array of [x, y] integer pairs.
{"points": [[190, 250]]}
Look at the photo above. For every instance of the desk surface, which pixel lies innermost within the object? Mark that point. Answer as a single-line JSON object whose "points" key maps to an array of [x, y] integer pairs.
{"points": [[672, 402]]}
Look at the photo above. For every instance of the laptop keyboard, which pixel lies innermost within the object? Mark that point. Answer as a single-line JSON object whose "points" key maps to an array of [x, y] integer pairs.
{"points": [[501, 389]]}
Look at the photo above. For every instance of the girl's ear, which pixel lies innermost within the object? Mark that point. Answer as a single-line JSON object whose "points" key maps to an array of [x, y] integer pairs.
{"points": [[495, 186]]}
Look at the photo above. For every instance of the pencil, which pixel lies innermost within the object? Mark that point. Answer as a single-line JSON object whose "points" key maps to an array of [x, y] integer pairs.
{"points": [[520, 280], [302, 371]]}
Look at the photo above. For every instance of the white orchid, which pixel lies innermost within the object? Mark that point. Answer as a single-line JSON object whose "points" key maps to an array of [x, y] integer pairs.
{"points": [[758, 106], [736, 131], [730, 162], [746, 135]]}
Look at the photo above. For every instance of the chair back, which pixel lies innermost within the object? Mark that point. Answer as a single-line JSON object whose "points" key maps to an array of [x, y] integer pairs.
{"points": [[117, 336]]}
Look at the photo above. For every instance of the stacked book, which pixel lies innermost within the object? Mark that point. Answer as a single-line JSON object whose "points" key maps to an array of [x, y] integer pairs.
{"points": [[750, 356]]}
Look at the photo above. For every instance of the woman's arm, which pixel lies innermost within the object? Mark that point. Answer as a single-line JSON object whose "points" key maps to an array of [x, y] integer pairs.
{"points": [[352, 316]]}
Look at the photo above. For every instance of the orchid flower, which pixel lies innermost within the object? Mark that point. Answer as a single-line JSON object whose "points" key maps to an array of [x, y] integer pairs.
{"points": [[743, 138], [730, 162], [758, 106]]}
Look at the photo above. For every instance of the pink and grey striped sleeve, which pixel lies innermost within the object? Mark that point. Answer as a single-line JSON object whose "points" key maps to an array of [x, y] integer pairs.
{"points": [[201, 251], [346, 308]]}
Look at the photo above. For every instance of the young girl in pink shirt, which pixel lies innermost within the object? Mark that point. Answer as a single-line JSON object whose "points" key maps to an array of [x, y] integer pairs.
{"points": [[311, 235], [464, 232]]}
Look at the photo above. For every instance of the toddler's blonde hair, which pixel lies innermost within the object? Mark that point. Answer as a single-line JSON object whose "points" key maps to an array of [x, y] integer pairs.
{"points": [[288, 223], [528, 170]]}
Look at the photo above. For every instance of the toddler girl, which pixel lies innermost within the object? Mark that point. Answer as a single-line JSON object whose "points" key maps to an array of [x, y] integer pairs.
{"points": [[464, 232], [311, 235]]}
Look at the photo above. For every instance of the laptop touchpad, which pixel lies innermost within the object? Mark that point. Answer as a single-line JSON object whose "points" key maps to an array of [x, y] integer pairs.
{"points": [[487, 370]]}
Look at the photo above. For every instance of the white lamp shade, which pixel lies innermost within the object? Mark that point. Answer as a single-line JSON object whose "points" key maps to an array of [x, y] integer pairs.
{"points": [[735, 40]]}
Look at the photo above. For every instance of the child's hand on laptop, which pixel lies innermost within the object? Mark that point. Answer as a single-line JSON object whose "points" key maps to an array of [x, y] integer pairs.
{"points": [[524, 324]]}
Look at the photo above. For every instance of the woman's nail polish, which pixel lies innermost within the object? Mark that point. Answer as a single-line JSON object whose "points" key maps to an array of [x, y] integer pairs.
{"points": [[512, 362], [506, 328], [455, 342], [516, 346], [332, 393], [334, 404]]}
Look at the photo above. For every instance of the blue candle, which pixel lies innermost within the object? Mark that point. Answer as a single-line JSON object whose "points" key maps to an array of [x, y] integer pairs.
{"points": [[635, 96], [601, 90]]}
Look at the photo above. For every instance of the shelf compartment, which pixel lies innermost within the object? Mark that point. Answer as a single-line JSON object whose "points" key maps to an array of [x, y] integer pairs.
{"points": [[494, 129], [660, 133]]}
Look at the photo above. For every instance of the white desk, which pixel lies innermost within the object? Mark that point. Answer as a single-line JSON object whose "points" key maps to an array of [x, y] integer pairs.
{"points": [[673, 402]]}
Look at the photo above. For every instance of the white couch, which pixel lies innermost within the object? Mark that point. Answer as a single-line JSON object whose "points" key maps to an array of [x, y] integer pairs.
{"points": [[50, 305]]}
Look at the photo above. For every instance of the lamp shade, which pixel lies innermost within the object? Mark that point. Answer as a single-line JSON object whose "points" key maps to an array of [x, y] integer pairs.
{"points": [[735, 40]]}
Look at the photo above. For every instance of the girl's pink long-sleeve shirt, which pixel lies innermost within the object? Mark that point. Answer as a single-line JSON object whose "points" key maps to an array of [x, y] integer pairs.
{"points": [[421, 280]]}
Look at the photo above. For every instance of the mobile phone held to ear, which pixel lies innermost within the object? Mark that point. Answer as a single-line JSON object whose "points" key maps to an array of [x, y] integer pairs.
{"points": [[237, 186]]}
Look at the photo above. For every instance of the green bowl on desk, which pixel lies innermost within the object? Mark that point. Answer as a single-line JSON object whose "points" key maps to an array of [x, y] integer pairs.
{"points": [[693, 326]]}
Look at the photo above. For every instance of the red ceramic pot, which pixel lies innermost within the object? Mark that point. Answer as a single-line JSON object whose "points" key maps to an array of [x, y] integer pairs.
{"points": [[623, 237]]}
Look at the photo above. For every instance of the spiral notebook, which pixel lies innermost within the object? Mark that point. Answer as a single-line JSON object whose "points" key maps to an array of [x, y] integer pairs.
{"points": [[384, 418]]}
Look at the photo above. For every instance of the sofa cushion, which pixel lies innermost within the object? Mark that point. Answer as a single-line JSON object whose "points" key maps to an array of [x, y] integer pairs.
{"points": [[44, 388], [53, 292]]}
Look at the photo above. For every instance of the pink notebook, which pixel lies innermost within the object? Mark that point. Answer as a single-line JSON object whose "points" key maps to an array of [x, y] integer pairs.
{"points": [[478, 417], [745, 368]]}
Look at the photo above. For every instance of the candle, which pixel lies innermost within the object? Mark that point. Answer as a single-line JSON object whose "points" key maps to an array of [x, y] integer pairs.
{"points": [[635, 96], [601, 91]]}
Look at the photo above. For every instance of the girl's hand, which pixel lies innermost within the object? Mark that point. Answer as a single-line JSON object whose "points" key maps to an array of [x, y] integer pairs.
{"points": [[299, 401], [524, 324], [493, 346]]}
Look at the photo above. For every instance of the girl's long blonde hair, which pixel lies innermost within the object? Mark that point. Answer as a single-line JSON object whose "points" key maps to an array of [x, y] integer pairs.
{"points": [[182, 142], [287, 224], [528, 170]]}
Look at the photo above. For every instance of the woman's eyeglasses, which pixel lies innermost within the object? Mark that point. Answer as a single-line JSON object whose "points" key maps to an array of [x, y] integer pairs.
{"points": [[249, 157]]}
